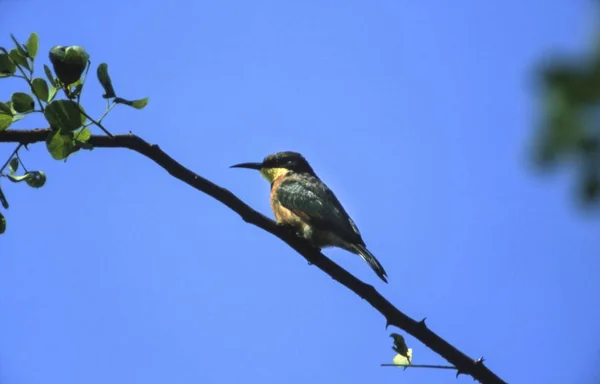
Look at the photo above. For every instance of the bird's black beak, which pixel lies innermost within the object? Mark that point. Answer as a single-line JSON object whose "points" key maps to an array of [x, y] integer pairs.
{"points": [[256, 166]]}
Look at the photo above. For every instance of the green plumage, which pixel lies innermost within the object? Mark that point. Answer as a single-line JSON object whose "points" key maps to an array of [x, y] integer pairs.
{"points": [[324, 221]]}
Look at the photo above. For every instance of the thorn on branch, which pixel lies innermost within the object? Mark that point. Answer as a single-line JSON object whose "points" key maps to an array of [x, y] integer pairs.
{"points": [[391, 313], [422, 322]]}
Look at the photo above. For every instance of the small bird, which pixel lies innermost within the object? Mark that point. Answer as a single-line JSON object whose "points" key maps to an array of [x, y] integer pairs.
{"points": [[301, 200]]}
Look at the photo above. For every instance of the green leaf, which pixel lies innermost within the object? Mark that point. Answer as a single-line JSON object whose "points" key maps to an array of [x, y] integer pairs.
{"points": [[3, 200], [69, 62], [5, 108], [37, 179], [18, 59], [64, 114], [60, 145], [33, 44], [5, 121], [7, 67], [2, 224], [13, 166], [17, 117], [52, 93], [138, 104], [22, 102], [40, 88], [84, 135], [49, 75], [105, 81], [17, 179], [19, 48], [404, 356]]}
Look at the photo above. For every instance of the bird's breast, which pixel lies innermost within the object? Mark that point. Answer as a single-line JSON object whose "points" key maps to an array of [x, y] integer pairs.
{"points": [[282, 214]]}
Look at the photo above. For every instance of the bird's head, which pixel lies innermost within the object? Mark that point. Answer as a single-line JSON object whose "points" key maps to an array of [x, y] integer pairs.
{"points": [[279, 164]]}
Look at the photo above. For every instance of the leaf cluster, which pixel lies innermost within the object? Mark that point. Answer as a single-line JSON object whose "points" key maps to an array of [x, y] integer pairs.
{"points": [[569, 131], [57, 96]]}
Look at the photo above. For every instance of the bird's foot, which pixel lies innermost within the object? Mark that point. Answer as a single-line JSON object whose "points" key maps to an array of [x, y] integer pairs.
{"points": [[290, 228]]}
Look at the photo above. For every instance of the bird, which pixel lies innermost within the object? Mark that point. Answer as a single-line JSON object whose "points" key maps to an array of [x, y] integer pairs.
{"points": [[300, 199]]}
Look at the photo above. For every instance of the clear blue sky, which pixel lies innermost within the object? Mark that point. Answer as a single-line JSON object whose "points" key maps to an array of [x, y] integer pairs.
{"points": [[418, 114]]}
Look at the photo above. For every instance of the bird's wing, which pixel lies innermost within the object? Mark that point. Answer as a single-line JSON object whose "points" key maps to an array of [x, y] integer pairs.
{"points": [[314, 202]]}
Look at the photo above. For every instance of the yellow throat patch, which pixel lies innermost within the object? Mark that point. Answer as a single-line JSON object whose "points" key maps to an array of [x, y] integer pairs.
{"points": [[273, 173]]}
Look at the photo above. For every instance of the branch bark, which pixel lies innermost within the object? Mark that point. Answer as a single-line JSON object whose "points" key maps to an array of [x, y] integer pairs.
{"points": [[463, 363]]}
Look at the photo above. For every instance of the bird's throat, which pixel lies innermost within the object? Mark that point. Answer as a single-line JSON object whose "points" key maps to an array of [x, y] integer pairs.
{"points": [[273, 173]]}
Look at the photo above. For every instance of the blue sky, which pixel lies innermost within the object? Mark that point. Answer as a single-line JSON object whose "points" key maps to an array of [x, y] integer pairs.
{"points": [[419, 115]]}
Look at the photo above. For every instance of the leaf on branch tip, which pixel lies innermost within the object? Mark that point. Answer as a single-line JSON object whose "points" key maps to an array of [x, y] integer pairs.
{"points": [[402, 349], [105, 81], [137, 104], [33, 45], [2, 224]]}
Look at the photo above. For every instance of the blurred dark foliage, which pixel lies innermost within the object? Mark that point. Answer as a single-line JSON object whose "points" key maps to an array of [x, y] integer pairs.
{"points": [[569, 132]]}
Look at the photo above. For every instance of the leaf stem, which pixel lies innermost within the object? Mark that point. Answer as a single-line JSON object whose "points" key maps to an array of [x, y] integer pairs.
{"points": [[419, 366], [106, 112], [20, 161], [98, 124]]}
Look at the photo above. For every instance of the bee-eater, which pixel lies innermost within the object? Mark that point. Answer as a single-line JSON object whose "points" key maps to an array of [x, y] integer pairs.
{"points": [[301, 200]]}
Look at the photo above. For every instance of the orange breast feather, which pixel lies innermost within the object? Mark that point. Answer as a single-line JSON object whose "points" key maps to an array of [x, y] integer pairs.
{"points": [[282, 214]]}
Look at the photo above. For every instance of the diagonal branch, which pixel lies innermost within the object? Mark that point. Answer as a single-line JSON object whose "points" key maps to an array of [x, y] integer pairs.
{"points": [[463, 363]]}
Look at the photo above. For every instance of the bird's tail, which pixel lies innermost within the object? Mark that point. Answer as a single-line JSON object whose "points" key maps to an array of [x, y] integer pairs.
{"points": [[369, 258]]}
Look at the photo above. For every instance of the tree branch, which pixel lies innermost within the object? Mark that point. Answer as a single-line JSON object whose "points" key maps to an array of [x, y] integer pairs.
{"points": [[463, 363]]}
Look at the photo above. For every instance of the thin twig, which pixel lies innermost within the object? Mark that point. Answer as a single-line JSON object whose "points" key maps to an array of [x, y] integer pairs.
{"points": [[20, 161], [89, 63], [106, 111], [10, 157], [98, 124], [420, 366], [30, 82]]}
